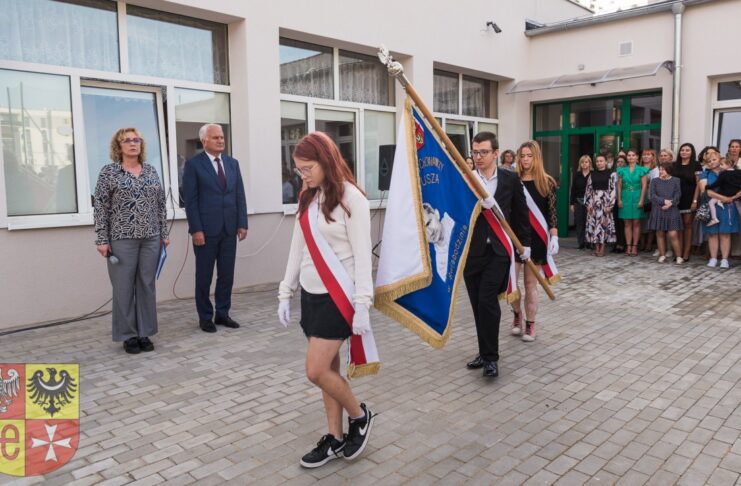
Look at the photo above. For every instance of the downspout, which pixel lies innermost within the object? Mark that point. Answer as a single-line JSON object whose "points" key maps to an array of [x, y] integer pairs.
{"points": [[677, 10]]}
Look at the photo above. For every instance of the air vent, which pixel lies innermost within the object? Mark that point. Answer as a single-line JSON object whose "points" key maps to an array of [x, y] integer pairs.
{"points": [[625, 48]]}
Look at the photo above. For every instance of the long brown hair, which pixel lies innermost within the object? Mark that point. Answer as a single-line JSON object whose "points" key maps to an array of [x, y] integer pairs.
{"points": [[543, 182], [317, 146]]}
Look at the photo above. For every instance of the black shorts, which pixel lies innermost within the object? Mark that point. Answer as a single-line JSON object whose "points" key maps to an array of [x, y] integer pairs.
{"points": [[321, 318]]}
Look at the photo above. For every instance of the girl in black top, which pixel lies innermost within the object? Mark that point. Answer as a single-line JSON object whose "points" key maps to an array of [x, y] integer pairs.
{"points": [[542, 189], [687, 170], [576, 202]]}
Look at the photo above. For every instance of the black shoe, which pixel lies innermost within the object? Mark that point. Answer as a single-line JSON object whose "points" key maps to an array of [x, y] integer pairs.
{"points": [[326, 449], [490, 369], [477, 363], [226, 321], [145, 344], [207, 326], [131, 346], [358, 433]]}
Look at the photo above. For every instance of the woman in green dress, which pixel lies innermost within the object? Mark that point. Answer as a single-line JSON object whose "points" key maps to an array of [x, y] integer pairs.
{"points": [[631, 192]]}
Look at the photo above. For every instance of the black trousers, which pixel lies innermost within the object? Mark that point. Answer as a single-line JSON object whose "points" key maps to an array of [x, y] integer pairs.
{"points": [[580, 220], [486, 277]]}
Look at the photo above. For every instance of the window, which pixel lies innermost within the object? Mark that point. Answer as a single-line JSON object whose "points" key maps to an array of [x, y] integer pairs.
{"points": [[476, 97], [173, 46], [364, 79], [36, 131], [645, 110], [548, 117], [193, 109], [306, 69], [645, 139], [550, 146], [105, 111], [728, 127], [74, 33], [293, 126], [729, 90], [595, 113], [380, 131], [445, 97], [353, 104], [458, 133], [340, 126]]}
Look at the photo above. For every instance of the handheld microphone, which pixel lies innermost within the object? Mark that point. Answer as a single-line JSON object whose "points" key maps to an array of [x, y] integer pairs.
{"points": [[113, 259]]}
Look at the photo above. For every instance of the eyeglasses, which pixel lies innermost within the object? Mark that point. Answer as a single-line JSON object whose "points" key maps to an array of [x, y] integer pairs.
{"points": [[135, 141], [481, 153], [304, 171]]}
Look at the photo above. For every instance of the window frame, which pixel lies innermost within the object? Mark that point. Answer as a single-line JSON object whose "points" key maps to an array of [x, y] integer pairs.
{"points": [[717, 107], [443, 118], [122, 79], [336, 103]]}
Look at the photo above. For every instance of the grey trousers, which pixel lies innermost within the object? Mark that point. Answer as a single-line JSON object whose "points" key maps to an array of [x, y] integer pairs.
{"points": [[134, 294]]}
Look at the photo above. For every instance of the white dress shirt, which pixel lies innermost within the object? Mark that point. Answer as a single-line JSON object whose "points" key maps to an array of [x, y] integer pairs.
{"points": [[215, 165]]}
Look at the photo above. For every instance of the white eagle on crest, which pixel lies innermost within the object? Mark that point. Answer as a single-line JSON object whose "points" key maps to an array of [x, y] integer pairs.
{"points": [[9, 388]]}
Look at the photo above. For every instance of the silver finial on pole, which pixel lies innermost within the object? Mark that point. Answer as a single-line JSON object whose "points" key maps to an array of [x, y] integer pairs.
{"points": [[394, 68]]}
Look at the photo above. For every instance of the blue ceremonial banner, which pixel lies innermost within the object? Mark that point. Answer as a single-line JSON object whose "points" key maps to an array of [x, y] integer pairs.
{"points": [[429, 219]]}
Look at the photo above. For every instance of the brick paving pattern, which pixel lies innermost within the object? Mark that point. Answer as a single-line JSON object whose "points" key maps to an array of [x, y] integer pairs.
{"points": [[634, 379]]}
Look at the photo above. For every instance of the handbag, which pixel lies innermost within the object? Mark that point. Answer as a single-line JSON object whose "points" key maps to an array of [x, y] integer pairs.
{"points": [[703, 213]]}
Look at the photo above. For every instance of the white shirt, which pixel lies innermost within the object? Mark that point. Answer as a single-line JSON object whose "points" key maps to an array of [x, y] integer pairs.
{"points": [[350, 239], [491, 183], [215, 165]]}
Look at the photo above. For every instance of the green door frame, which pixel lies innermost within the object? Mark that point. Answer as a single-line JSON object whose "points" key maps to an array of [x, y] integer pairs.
{"points": [[623, 129]]}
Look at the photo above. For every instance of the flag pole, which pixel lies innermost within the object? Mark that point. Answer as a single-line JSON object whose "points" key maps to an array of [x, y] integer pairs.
{"points": [[396, 70]]}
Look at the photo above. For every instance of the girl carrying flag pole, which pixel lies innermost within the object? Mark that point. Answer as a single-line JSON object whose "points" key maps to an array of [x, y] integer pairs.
{"points": [[540, 192]]}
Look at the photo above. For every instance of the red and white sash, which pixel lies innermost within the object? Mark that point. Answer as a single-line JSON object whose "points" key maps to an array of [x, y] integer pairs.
{"points": [[512, 292], [540, 228], [363, 356]]}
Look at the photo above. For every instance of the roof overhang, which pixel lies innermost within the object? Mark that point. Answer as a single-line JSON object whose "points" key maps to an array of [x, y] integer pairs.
{"points": [[591, 78]]}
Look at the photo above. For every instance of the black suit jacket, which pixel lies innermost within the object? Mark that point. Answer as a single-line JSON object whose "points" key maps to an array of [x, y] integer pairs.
{"points": [[511, 199]]}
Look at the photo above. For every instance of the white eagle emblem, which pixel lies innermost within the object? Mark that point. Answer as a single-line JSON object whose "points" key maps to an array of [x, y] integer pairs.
{"points": [[8, 389], [51, 394]]}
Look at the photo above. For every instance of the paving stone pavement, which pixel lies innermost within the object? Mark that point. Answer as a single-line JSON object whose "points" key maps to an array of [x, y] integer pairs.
{"points": [[634, 379]]}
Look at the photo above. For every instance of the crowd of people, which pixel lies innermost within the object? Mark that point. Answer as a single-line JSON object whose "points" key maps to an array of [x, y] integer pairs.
{"points": [[684, 200], [677, 207]]}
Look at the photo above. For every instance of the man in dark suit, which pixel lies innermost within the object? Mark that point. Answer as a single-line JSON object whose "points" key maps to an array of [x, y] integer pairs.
{"points": [[487, 267], [217, 216]]}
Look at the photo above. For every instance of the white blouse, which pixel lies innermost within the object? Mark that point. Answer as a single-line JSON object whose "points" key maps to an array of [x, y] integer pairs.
{"points": [[350, 239]]}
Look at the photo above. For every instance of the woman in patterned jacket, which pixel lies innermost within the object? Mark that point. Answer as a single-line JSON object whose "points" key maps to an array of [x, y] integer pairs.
{"points": [[131, 227]]}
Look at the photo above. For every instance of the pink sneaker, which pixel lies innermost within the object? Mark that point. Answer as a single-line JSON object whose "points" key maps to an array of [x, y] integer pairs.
{"points": [[517, 324], [529, 334]]}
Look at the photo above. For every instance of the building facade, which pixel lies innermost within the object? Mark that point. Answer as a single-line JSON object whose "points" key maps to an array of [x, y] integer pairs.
{"points": [[271, 72]]}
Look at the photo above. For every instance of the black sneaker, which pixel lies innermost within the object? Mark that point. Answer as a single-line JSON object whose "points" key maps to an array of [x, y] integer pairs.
{"points": [[145, 344], [326, 449], [131, 346], [357, 436]]}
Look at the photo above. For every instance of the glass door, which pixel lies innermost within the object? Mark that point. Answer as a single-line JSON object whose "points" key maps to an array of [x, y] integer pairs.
{"points": [[609, 143], [458, 134], [107, 108]]}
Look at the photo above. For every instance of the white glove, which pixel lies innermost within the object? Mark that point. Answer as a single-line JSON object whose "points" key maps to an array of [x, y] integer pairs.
{"points": [[284, 312], [361, 320], [525, 255], [553, 245], [488, 203]]}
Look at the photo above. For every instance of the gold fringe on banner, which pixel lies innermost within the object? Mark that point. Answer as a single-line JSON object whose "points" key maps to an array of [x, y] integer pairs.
{"points": [[359, 371]]}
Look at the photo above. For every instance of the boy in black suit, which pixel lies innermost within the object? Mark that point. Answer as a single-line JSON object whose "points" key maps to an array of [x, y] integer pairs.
{"points": [[487, 268]]}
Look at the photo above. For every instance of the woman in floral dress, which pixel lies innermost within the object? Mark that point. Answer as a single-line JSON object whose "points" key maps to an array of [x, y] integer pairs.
{"points": [[599, 199]]}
